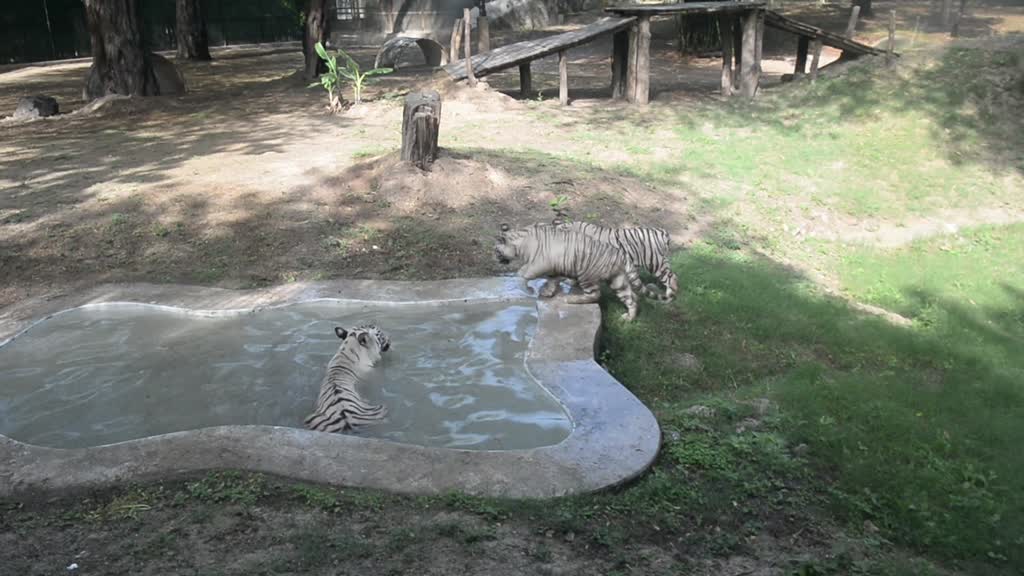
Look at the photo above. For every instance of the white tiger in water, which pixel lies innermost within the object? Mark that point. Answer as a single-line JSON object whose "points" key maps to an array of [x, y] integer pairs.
{"points": [[339, 407], [548, 251], [646, 247]]}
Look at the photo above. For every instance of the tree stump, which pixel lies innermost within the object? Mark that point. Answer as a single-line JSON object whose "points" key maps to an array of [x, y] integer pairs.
{"points": [[421, 122]]}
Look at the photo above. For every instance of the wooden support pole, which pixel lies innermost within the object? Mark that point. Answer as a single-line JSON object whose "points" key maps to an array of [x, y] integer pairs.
{"points": [[638, 77], [725, 29], [759, 42], [955, 32], [469, 46], [892, 36], [947, 13], [803, 42], [620, 58], [456, 42], [851, 26], [814, 60], [483, 35], [563, 79], [525, 80], [749, 75]]}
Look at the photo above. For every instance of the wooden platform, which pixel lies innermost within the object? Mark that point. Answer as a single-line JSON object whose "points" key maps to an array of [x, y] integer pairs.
{"points": [[520, 53], [849, 46], [684, 8]]}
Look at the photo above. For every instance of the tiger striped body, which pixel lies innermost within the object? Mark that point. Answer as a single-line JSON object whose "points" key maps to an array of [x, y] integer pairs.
{"points": [[339, 407], [646, 247], [548, 251]]}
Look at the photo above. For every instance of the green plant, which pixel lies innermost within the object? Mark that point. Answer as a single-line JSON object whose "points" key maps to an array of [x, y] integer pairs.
{"points": [[560, 206], [331, 79]]}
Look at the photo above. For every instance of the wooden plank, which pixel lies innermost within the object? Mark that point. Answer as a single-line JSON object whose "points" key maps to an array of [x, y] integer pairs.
{"points": [[684, 8], [512, 55], [725, 29], [483, 35], [776, 20], [620, 58], [525, 80], [456, 42], [803, 42], [748, 70], [563, 79]]}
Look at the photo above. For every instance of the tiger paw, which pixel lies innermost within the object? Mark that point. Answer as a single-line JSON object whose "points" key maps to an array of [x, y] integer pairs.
{"points": [[549, 289]]}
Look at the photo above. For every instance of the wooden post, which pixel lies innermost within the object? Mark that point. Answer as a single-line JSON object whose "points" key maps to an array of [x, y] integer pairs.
{"points": [[892, 36], [469, 46], [525, 80], [638, 77], [748, 65], [456, 43], [801, 55], [483, 32], [759, 43], [947, 13], [814, 61], [955, 32], [620, 63], [421, 122], [563, 79], [851, 26], [725, 28]]}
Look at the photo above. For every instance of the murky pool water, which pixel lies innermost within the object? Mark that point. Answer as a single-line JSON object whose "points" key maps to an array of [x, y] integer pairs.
{"points": [[455, 376]]}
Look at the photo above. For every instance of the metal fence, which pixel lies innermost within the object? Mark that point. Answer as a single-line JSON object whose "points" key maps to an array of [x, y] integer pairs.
{"points": [[36, 30]]}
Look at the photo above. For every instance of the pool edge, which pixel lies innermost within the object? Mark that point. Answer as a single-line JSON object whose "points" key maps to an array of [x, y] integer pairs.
{"points": [[614, 437]]}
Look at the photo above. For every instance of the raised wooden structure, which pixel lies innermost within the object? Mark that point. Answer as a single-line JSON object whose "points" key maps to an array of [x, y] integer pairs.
{"points": [[421, 123], [522, 53], [812, 35], [742, 26]]}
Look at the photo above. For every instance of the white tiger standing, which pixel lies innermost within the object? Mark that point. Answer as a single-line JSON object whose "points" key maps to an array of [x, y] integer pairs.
{"points": [[339, 407], [548, 251]]}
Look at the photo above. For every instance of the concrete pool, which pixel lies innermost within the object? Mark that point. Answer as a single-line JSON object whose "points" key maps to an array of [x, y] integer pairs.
{"points": [[489, 391]]}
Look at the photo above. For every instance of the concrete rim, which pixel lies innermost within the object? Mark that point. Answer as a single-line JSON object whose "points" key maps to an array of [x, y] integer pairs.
{"points": [[614, 437]]}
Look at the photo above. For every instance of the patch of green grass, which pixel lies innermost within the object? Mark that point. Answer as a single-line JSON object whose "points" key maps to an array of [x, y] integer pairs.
{"points": [[228, 487], [915, 429]]}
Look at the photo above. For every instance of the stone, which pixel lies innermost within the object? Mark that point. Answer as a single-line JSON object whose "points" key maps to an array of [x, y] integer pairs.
{"points": [[36, 107], [700, 411], [687, 361]]}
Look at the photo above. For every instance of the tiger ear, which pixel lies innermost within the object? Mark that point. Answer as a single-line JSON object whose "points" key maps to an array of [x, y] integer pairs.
{"points": [[505, 228], [364, 339], [341, 332]]}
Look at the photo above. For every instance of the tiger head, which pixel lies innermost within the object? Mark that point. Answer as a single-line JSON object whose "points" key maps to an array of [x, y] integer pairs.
{"points": [[510, 244], [367, 343]]}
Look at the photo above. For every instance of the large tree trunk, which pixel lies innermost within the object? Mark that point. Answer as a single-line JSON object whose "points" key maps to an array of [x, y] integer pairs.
{"points": [[316, 31], [120, 61], [190, 28], [865, 8]]}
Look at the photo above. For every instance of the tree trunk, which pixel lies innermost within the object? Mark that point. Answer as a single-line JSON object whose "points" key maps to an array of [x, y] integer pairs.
{"points": [[190, 28], [316, 31], [421, 123], [865, 8], [120, 60]]}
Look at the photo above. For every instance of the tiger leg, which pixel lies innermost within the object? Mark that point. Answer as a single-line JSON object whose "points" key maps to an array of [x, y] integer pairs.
{"points": [[591, 294], [667, 277], [624, 291], [550, 288]]}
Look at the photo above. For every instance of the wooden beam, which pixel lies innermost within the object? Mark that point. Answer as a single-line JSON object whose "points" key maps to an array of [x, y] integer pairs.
{"points": [[749, 75], [469, 46], [892, 36], [638, 78], [803, 42], [483, 35], [620, 58], [456, 42], [525, 80], [725, 29], [817, 56], [563, 79], [759, 42], [851, 26]]}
